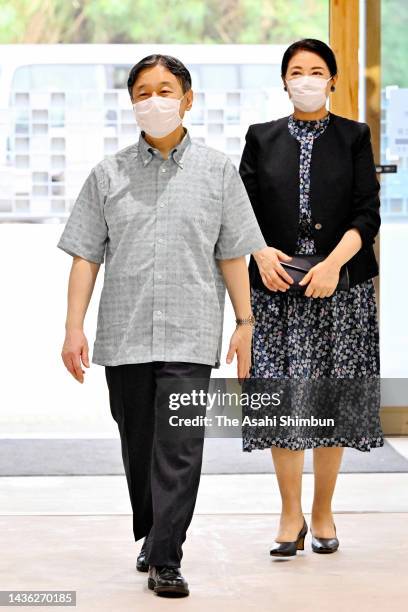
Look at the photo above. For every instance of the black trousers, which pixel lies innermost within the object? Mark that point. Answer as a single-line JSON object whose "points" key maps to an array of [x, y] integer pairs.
{"points": [[162, 468]]}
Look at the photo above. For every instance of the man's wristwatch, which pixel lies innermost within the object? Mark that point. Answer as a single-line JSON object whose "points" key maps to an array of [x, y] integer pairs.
{"points": [[247, 321]]}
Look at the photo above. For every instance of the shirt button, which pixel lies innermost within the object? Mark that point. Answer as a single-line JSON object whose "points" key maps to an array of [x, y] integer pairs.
{"points": [[318, 226], [158, 312], [163, 169]]}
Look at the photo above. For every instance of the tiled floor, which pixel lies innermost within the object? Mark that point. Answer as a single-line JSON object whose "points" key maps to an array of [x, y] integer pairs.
{"points": [[218, 494], [75, 533], [226, 561]]}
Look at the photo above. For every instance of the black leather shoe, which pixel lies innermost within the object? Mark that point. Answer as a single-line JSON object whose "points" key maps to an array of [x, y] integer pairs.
{"points": [[141, 564], [167, 581], [325, 545], [289, 549]]}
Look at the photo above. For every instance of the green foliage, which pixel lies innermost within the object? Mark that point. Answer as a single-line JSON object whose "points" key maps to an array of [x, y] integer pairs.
{"points": [[394, 43], [162, 21], [189, 21]]}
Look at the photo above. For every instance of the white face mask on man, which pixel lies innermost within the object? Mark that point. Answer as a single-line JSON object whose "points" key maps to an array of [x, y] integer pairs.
{"points": [[158, 115], [308, 93]]}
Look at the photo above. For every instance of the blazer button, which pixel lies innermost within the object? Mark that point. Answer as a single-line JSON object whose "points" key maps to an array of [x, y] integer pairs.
{"points": [[318, 226]]}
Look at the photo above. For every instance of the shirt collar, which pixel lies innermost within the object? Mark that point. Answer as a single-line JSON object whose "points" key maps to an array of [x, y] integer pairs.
{"points": [[147, 152]]}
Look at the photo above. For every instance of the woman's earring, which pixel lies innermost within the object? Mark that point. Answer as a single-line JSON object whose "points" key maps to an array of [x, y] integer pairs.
{"points": [[285, 88], [332, 88]]}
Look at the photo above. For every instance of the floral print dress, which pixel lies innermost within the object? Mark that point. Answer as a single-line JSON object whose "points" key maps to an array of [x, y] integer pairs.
{"points": [[296, 337]]}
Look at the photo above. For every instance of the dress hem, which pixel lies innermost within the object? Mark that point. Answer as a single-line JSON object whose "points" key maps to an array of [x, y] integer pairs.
{"points": [[363, 445]]}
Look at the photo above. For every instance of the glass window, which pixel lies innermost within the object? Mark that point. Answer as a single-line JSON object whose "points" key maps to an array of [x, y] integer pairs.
{"points": [[259, 75], [117, 76], [219, 76], [394, 190], [48, 77]]}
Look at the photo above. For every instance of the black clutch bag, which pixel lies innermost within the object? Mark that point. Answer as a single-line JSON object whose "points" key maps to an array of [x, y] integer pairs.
{"points": [[299, 265]]}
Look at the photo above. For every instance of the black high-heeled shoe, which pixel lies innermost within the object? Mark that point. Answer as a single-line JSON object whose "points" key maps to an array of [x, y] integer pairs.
{"points": [[325, 545], [289, 549]]}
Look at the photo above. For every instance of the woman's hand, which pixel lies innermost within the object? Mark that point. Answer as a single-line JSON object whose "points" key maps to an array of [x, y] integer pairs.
{"points": [[74, 349], [322, 279], [273, 275], [240, 344]]}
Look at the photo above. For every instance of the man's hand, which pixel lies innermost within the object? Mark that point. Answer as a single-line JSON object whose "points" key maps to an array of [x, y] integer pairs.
{"points": [[273, 275], [240, 344], [322, 279], [74, 349]]}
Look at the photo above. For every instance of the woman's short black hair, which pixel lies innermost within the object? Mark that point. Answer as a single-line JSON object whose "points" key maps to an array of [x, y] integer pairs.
{"points": [[313, 45], [168, 61]]}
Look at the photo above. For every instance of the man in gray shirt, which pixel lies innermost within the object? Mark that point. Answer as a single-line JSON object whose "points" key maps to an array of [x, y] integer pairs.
{"points": [[172, 221]]}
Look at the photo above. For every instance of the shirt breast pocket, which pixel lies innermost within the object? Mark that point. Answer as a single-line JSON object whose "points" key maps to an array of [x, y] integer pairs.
{"points": [[202, 218], [121, 208]]}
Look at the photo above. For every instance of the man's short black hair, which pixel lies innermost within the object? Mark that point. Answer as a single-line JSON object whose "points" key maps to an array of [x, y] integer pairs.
{"points": [[168, 61], [313, 45]]}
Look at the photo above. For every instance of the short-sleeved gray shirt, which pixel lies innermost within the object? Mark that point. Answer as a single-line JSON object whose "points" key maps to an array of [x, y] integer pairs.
{"points": [[160, 225]]}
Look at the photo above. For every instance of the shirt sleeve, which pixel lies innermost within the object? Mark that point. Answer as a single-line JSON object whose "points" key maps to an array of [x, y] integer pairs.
{"points": [[85, 233], [240, 233]]}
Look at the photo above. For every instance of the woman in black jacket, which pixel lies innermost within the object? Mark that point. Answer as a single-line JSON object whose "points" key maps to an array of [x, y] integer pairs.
{"points": [[312, 182]]}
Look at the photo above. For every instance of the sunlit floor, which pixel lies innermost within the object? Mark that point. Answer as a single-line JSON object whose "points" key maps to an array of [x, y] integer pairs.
{"points": [[75, 533], [226, 563]]}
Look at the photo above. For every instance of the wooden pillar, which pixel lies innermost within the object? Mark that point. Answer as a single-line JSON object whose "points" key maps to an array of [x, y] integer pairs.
{"points": [[372, 24], [344, 27], [372, 20], [344, 40]]}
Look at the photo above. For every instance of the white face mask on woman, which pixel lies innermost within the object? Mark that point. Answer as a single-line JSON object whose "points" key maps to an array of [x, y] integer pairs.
{"points": [[308, 93], [158, 115]]}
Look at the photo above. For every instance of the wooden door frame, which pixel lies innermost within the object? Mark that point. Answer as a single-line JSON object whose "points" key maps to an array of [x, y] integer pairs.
{"points": [[344, 38]]}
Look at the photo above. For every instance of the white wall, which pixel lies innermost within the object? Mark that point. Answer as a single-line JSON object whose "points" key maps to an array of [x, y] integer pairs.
{"points": [[37, 394], [394, 300]]}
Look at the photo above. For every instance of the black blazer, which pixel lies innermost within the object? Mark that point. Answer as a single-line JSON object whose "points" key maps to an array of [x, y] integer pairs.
{"points": [[343, 189]]}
